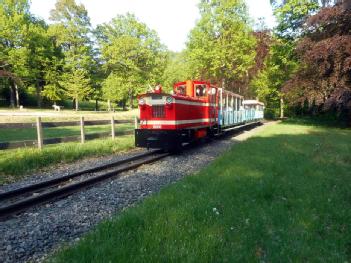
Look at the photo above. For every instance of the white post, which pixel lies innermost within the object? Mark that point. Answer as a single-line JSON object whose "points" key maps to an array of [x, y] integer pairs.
{"points": [[237, 109], [39, 133], [82, 134], [113, 128], [221, 105], [227, 108]]}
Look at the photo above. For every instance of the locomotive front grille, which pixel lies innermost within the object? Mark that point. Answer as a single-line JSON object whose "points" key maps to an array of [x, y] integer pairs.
{"points": [[158, 111]]}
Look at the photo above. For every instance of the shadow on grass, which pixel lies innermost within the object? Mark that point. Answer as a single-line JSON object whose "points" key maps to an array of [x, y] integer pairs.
{"points": [[328, 122], [278, 198]]}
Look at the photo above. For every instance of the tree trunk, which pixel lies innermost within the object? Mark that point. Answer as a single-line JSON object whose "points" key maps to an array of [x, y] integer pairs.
{"points": [[12, 93], [73, 104], [96, 105], [131, 101], [77, 104], [38, 93], [346, 4], [17, 96], [281, 107], [108, 105]]}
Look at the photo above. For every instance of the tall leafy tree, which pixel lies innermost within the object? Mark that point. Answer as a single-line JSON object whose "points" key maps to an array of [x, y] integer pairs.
{"points": [[278, 69], [177, 69], [282, 62], [72, 31], [77, 85], [221, 47], [44, 58], [14, 21], [324, 78], [53, 90], [134, 57], [291, 16]]}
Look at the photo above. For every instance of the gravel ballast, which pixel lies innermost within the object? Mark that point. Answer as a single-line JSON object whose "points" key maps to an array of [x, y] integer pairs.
{"points": [[32, 235]]}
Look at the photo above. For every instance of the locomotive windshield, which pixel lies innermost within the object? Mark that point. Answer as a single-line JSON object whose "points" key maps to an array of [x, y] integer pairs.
{"points": [[180, 90]]}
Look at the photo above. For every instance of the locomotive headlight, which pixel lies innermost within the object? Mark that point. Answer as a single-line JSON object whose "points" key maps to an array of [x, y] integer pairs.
{"points": [[169, 100], [141, 102]]}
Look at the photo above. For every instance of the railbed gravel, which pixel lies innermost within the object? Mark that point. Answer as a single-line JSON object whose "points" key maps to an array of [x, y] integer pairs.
{"points": [[33, 235]]}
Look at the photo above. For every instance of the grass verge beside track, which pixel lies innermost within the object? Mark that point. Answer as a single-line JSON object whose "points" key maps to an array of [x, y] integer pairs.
{"points": [[283, 195], [15, 163]]}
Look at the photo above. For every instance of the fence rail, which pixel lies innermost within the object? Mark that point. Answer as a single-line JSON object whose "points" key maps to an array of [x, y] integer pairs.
{"points": [[59, 124], [41, 141]]}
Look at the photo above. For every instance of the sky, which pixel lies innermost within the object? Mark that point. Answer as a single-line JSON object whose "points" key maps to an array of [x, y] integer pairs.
{"points": [[172, 19]]}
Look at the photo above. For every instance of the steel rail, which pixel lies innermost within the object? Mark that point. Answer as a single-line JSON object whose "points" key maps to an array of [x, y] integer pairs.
{"points": [[34, 187], [21, 205]]}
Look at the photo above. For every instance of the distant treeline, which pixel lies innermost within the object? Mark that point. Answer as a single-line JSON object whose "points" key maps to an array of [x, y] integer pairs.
{"points": [[302, 67]]}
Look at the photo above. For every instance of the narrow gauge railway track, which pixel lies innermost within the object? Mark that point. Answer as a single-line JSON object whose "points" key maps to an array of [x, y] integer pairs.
{"points": [[18, 200]]}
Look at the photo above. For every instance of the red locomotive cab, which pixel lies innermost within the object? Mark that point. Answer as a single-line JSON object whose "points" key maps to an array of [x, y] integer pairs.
{"points": [[190, 112]]}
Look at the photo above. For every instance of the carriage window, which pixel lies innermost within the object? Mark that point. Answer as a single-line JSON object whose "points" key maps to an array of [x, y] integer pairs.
{"points": [[200, 90], [180, 90]]}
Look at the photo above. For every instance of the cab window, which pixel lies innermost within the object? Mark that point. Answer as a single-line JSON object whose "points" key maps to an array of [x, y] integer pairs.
{"points": [[180, 90], [200, 90]]}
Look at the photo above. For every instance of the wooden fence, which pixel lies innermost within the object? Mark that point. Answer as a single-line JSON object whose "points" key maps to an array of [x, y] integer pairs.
{"points": [[41, 141]]}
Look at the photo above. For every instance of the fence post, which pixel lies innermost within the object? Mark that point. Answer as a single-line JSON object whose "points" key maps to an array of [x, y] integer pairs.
{"points": [[82, 134], [39, 133], [113, 128]]}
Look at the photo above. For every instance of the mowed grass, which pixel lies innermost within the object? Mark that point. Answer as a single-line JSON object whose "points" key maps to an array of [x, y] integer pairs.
{"points": [[281, 196], [7, 135], [15, 164]]}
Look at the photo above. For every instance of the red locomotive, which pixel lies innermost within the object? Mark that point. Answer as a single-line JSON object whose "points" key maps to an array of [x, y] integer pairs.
{"points": [[195, 110]]}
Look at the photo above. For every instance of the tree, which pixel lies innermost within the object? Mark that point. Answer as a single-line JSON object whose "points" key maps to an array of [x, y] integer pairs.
{"points": [[221, 47], [324, 78], [71, 31], [53, 89], [177, 69], [278, 69], [282, 62], [14, 21], [25, 47], [134, 57], [77, 86], [116, 88], [43, 60], [291, 16]]}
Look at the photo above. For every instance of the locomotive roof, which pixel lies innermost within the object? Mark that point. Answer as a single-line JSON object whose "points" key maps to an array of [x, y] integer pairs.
{"points": [[252, 102]]}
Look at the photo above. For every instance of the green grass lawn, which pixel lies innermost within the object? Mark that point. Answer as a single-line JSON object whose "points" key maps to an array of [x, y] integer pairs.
{"points": [[7, 135], [14, 164], [281, 196]]}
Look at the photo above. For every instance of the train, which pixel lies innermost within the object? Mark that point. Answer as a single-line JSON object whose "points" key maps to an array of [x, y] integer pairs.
{"points": [[192, 111]]}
